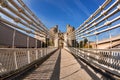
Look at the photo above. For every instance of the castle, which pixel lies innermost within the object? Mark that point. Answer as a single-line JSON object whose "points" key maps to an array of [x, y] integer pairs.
{"points": [[59, 38]]}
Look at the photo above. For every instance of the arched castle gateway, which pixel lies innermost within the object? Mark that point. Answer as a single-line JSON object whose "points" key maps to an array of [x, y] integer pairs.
{"points": [[60, 38]]}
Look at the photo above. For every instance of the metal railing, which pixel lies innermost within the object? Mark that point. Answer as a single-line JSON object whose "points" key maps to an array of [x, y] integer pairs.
{"points": [[13, 59], [101, 23], [104, 59]]}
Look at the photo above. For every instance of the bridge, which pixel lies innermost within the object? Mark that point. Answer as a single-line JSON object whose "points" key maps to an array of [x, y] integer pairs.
{"points": [[30, 51]]}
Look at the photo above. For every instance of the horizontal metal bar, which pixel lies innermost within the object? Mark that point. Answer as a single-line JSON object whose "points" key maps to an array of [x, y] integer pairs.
{"points": [[32, 14], [15, 26], [107, 16], [96, 28], [97, 11], [17, 19]]}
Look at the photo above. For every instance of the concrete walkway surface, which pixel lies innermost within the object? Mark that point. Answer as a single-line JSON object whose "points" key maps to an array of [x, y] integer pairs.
{"points": [[60, 66], [70, 69]]}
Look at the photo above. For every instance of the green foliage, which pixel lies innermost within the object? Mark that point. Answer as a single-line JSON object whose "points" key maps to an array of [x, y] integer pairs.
{"points": [[85, 41], [81, 44], [84, 44]]}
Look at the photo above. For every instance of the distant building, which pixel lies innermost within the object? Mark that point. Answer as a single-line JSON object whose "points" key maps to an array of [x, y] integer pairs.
{"points": [[114, 42]]}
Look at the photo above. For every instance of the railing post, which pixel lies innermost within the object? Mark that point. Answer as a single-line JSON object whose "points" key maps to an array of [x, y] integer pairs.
{"points": [[36, 51], [36, 54], [15, 59], [28, 52], [14, 52]]}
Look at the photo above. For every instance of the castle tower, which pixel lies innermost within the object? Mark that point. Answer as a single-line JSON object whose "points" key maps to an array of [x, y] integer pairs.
{"points": [[69, 41], [54, 32]]}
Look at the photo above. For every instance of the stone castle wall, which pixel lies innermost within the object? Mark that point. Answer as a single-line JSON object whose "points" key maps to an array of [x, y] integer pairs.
{"points": [[61, 41]]}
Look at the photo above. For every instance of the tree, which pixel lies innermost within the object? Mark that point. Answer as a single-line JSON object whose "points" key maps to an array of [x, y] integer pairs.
{"points": [[84, 44], [85, 41], [81, 44]]}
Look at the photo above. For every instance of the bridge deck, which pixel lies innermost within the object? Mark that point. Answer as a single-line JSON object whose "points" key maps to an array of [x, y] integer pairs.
{"points": [[70, 69], [60, 66]]}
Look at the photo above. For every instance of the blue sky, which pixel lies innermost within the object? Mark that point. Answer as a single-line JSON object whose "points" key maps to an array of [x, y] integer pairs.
{"points": [[63, 12]]}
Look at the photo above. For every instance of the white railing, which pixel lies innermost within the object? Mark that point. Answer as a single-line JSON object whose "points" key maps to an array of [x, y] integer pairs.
{"points": [[13, 59], [101, 23], [104, 59]]}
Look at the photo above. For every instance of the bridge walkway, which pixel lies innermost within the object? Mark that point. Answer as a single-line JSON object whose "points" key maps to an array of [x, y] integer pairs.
{"points": [[60, 66]]}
